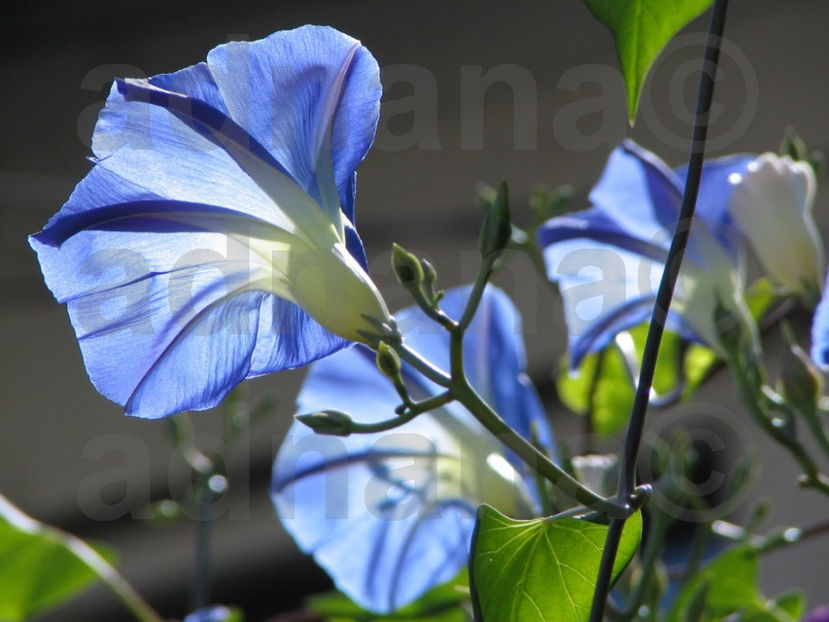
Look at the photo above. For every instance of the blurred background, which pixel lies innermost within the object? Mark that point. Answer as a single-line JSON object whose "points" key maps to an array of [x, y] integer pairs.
{"points": [[525, 91]]}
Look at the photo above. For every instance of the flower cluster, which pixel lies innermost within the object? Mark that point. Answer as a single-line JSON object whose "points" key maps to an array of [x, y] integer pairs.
{"points": [[213, 240], [608, 260]]}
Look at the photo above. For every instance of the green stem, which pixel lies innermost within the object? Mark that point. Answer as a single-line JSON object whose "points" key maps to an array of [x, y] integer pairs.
{"points": [[701, 540], [466, 395], [131, 599], [416, 408], [653, 548], [414, 359], [664, 295], [200, 595], [477, 292], [751, 395]]}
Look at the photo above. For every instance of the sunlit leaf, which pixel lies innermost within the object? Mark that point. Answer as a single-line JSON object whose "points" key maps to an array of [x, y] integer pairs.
{"points": [[731, 581], [641, 29], [540, 570], [759, 297], [39, 566], [600, 387], [698, 363], [444, 603], [667, 373]]}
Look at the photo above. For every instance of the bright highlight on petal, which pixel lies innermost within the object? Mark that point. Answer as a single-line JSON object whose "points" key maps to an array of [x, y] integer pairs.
{"points": [[771, 203], [390, 515], [214, 239], [608, 260]]}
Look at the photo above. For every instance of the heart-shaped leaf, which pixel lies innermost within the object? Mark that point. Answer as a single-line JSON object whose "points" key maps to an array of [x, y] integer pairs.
{"points": [[540, 570]]}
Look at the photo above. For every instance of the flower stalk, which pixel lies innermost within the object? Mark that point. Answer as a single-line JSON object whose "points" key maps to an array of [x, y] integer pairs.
{"points": [[633, 438]]}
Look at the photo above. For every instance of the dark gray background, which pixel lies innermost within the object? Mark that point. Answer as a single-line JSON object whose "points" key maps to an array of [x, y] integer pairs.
{"points": [[63, 447]]}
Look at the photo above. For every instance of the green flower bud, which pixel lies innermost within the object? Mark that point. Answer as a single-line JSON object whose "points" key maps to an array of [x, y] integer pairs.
{"points": [[496, 230], [387, 361], [407, 268], [801, 382], [729, 328], [329, 422]]}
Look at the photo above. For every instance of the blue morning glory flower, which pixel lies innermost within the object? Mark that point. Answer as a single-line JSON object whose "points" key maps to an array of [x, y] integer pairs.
{"points": [[390, 515], [213, 613], [607, 260], [771, 203], [213, 240], [820, 331]]}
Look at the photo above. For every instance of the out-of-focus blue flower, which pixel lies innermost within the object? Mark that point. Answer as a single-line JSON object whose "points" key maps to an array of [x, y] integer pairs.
{"points": [[214, 613], [772, 206], [821, 614], [608, 260], [390, 515], [213, 239], [820, 331]]}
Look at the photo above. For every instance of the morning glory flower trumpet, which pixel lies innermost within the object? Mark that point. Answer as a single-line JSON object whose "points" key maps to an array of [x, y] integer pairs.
{"points": [[608, 259], [771, 203], [390, 515], [213, 240]]}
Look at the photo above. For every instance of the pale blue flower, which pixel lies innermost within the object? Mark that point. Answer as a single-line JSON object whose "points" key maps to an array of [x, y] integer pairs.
{"points": [[608, 260], [213, 239], [390, 515], [213, 613]]}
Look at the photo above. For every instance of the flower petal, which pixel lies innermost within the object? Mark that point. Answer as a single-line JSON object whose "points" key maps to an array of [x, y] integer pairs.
{"points": [[377, 511], [605, 289], [714, 194], [639, 193], [173, 326], [315, 109], [820, 331], [139, 271], [182, 129], [405, 496], [772, 203], [595, 225]]}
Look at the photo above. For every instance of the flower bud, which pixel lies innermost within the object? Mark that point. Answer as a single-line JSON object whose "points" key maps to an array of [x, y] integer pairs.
{"points": [[496, 230], [772, 206], [800, 380], [407, 268], [388, 362], [329, 422]]}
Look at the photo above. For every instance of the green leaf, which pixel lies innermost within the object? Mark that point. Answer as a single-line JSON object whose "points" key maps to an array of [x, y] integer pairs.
{"points": [[613, 398], [540, 570], [605, 375], [667, 373], [759, 297], [440, 604], [608, 375], [699, 360], [732, 586], [641, 29], [39, 566], [792, 604]]}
